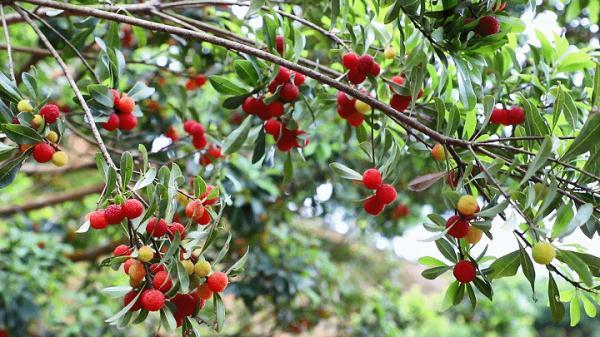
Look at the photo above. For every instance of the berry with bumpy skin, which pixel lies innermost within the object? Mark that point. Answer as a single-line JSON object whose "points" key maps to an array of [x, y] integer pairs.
{"points": [[350, 60], [467, 205], [136, 271], [280, 44], [284, 75], [50, 113], [375, 70], [24, 106], [344, 101], [389, 52], [162, 281], [202, 268], [199, 141], [386, 194], [127, 122], [473, 235], [36, 121], [499, 116], [400, 102], [362, 107], [373, 206], [464, 271], [188, 266], [400, 211], [52, 137], [116, 97], [145, 254], [289, 92], [122, 250], [60, 158], [273, 128], [188, 126], [152, 300], [459, 227], [112, 123], [204, 291], [515, 116], [217, 281], [205, 219], [185, 304], [299, 78], [438, 152], [398, 79], [196, 129], [488, 25], [42, 152], [172, 134], [114, 214], [200, 80], [126, 105], [372, 179], [132, 208], [356, 76], [157, 267], [543, 253], [156, 227], [356, 119], [251, 105], [176, 227], [365, 63], [130, 296], [98, 220], [194, 210], [275, 109]]}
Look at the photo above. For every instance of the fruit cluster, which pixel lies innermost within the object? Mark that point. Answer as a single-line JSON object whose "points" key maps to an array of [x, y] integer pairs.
{"points": [[195, 82], [384, 195], [197, 209], [198, 133], [115, 213], [286, 138], [401, 102], [511, 116], [351, 109], [122, 118], [212, 153], [359, 67], [400, 211]]}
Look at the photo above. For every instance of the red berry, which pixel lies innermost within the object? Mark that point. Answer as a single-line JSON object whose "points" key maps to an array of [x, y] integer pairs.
{"points": [[515, 116], [299, 78], [488, 25], [398, 79], [116, 97], [128, 265], [50, 112], [287, 140], [356, 76], [371, 178], [157, 267], [217, 281], [251, 105], [273, 86], [356, 119], [98, 220], [214, 151], [194, 210], [122, 250], [400, 102], [205, 219], [112, 123], [130, 296], [42, 152], [349, 60], [280, 44], [114, 214], [200, 80], [152, 300], [127, 122], [162, 281], [275, 109], [284, 75], [133, 208], [176, 227], [199, 141], [373, 206], [460, 227], [375, 69], [345, 101], [156, 228], [126, 105], [386, 194], [289, 92], [365, 63], [464, 271], [273, 128], [499, 116], [400, 211], [188, 126], [172, 133], [204, 291], [185, 304]]}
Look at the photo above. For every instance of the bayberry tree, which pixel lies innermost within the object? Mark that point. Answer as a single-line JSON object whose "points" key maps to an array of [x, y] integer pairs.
{"points": [[205, 117]]}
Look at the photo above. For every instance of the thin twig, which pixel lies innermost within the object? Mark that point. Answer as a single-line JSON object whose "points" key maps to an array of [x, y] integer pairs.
{"points": [[11, 66]]}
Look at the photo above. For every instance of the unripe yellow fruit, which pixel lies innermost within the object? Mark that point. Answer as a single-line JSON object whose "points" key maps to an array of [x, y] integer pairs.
{"points": [[543, 252], [24, 106], [438, 152], [362, 107], [60, 158], [389, 52], [137, 271], [52, 137], [473, 235], [36, 121], [202, 268], [467, 205], [189, 266], [182, 199], [135, 283], [145, 254]]}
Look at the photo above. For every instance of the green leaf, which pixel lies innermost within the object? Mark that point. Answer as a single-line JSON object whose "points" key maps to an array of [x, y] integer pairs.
{"points": [[126, 167], [433, 273], [238, 265], [140, 91], [587, 138], [583, 215], [345, 172], [563, 216], [393, 13], [574, 311], [446, 249], [8, 89], [527, 267], [288, 169], [236, 139], [540, 159], [576, 264], [431, 261], [9, 170], [101, 94], [246, 72], [220, 310], [146, 179], [588, 306], [21, 134], [556, 306], [183, 277], [225, 86], [450, 295], [484, 287], [423, 182], [505, 266]]}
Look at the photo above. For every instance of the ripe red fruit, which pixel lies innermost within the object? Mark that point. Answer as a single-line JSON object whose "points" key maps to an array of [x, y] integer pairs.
{"points": [[193, 128], [275, 109], [152, 300], [42, 152], [199, 141], [375, 69], [127, 121], [217, 281], [204, 220], [349, 60], [344, 101], [464, 271], [128, 265], [116, 97], [284, 75], [208, 202], [499, 116], [194, 210], [126, 105], [156, 227], [273, 127], [204, 291], [356, 119], [515, 116], [400, 211], [365, 63], [98, 220], [162, 281], [460, 227], [356, 76], [130, 296], [122, 250], [400, 102], [114, 214], [272, 87], [280, 44], [176, 227], [386, 194], [251, 105], [299, 78], [157, 267], [172, 133], [488, 25], [50, 113], [398, 79], [133, 208], [373, 206], [289, 92], [371, 178], [112, 123], [200, 80], [500, 7]]}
